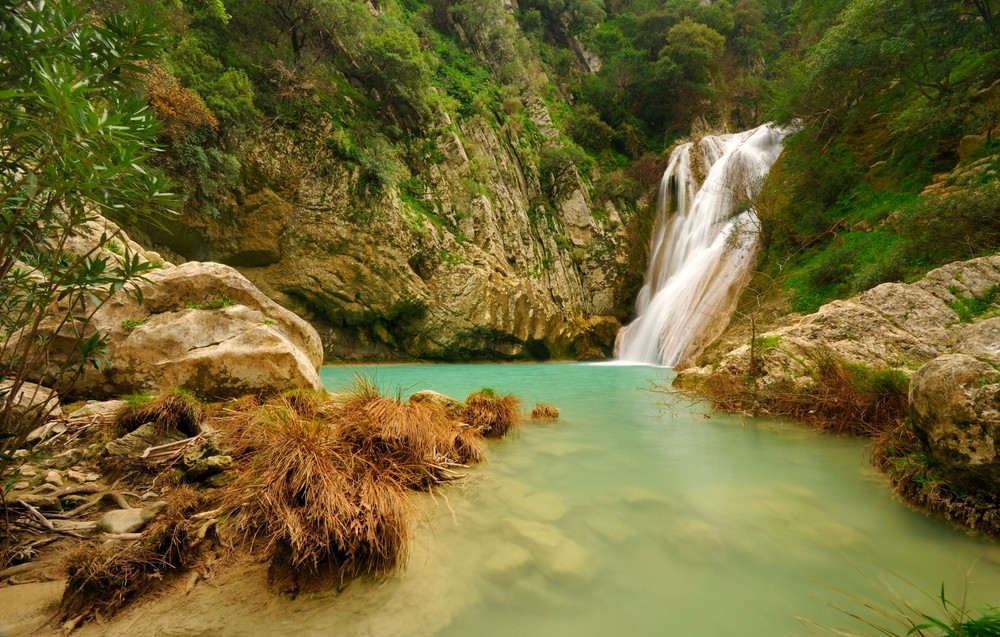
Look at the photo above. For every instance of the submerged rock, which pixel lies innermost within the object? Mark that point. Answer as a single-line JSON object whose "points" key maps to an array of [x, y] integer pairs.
{"points": [[955, 409]]}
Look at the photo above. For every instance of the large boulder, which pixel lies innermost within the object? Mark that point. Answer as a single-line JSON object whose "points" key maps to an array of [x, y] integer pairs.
{"points": [[955, 409], [199, 326], [893, 325], [203, 327]]}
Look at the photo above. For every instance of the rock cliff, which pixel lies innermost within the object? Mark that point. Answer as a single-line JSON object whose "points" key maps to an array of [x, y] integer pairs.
{"points": [[466, 260]]}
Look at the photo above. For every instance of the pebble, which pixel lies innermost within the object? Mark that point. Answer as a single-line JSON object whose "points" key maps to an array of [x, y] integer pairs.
{"points": [[28, 472], [76, 476], [20, 486], [54, 478], [21, 453], [92, 477]]}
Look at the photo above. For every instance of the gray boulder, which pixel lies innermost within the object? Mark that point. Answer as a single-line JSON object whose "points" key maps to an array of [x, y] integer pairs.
{"points": [[955, 409]]}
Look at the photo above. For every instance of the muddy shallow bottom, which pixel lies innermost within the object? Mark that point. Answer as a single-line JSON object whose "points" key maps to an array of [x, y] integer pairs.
{"points": [[626, 516]]}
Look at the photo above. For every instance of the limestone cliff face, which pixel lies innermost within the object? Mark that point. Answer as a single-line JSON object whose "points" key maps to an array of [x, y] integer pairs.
{"points": [[467, 264]]}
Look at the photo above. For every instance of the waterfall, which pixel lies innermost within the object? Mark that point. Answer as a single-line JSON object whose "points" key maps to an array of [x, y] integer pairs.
{"points": [[703, 246]]}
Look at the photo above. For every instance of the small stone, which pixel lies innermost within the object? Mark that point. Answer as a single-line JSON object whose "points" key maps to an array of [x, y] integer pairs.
{"points": [[49, 429], [21, 453], [54, 478], [105, 409], [435, 398], [135, 442], [129, 520], [21, 485], [28, 471], [76, 475], [50, 462], [207, 467], [92, 477]]}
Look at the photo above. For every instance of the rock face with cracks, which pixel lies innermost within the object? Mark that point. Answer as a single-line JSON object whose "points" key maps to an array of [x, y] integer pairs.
{"points": [[955, 408]]}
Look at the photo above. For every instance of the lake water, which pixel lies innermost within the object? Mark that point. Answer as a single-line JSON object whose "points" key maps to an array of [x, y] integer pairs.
{"points": [[634, 514], [626, 517]]}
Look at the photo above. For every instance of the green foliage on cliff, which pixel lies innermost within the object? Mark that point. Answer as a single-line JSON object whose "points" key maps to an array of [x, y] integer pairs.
{"points": [[888, 93]]}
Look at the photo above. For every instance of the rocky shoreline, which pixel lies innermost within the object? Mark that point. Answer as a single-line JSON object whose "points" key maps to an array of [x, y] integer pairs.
{"points": [[148, 470], [940, 336]]}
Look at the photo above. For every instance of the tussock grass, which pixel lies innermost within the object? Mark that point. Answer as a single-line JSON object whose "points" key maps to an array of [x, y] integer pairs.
{"points": [[321, 481], [101, 580], [493, 415], [303, 492], [320, 486], [844, 398], [544, 411], [174, 410]]}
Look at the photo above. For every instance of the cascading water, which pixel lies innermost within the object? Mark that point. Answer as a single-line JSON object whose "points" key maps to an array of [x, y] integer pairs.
{"points": [[702, 253]]}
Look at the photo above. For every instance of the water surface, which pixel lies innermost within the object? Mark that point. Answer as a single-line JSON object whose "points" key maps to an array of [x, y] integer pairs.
{"points": [[631, 516]]}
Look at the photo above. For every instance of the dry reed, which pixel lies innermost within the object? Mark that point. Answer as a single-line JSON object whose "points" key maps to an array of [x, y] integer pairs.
{"points": [[494, 416], [544, 411], [171, 411]]}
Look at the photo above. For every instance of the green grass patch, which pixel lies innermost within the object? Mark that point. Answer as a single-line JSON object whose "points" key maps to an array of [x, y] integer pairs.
{"points": [[215, 303], [973, 307], [130, 324]]}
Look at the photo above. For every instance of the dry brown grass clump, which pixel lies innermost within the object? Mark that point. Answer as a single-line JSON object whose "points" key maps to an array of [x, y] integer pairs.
{"points": [[172, 411], [303, 491], [843, 398], [494, 416], [321, 481], [544, 411], [103, 579]]}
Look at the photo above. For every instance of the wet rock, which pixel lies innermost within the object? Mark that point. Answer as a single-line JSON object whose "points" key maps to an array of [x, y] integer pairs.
{"points": [[435, 398], [955, 410]]}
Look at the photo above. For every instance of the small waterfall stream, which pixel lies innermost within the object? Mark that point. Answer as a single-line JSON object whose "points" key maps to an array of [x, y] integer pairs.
{"points": [[703, 245]]}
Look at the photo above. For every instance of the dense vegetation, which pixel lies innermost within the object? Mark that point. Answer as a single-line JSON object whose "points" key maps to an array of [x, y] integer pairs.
{"points": [[75, 142], [888, 94]]}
